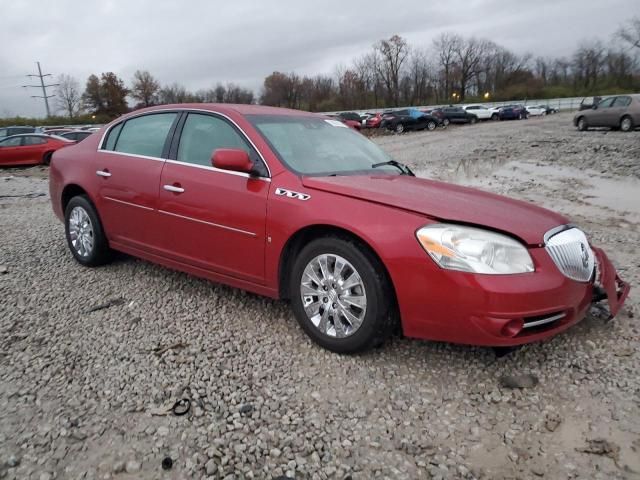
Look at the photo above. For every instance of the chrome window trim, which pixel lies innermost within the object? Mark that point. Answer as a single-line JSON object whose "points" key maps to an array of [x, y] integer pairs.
{"points": [[244, 134], [214, 169], [556, 230], [225, 227], [128, 203], [134, 155]]}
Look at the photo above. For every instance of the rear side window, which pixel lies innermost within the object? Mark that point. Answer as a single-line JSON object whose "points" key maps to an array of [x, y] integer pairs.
{"points": [[34, 141], [203, 134], [112, 137], [144, 135], [622, 102], [12, 142]]}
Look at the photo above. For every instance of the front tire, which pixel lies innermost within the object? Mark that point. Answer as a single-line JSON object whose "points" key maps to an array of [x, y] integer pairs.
{"points": [[84, 233], [341, 295], [626, 124], [446, 122], [494, 116], [399, 128], [582, 124], [46, 158], [473, 120], [431, 126]]}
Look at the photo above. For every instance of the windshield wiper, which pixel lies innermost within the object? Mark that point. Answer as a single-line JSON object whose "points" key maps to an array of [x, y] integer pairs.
{"points": [[400, 166]]}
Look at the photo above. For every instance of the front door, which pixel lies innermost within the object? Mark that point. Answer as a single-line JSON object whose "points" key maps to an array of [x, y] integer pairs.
{"points": [[213, 219], [128, 168], [601, 116]]}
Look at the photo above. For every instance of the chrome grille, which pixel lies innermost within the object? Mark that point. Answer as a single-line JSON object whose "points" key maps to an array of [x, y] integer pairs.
{"points": [[570, 251]]}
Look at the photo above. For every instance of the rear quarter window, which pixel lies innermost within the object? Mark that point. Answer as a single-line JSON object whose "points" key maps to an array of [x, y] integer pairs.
{"points": [[144, 135]]}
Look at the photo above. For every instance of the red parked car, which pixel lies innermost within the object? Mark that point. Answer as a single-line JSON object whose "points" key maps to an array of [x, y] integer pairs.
{"points": [[374, 121], [292, 205], [30, 149]]}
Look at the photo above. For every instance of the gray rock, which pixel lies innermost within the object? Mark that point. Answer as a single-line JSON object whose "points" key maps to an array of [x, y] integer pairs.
{"points": [[519, 381]]}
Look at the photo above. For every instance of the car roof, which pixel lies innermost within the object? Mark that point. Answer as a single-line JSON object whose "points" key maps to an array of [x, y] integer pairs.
{"points": [[30, 135], [226, 108]]}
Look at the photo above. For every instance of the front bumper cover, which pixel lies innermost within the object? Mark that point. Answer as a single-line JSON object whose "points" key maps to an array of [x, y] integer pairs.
{"points": [[616, 290]]}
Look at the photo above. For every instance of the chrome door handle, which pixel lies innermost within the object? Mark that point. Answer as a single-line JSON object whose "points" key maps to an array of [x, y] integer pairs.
{"points": [[173, 188], [103, 173]]}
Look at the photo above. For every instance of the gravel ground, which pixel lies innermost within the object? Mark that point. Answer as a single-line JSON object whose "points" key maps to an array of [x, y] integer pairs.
{"points": [[91, 360]]}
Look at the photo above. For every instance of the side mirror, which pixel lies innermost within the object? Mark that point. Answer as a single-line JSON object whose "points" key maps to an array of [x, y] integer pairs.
{"points": [[233, 159]]}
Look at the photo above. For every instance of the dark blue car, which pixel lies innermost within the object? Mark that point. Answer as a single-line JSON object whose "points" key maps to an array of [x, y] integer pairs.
{"points": [[513, 112]]}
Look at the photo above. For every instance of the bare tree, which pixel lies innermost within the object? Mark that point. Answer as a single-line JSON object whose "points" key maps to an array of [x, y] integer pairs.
{"points": [[145, 88], [393, 53], [469, 56], [68, 96], [446, 45], [630, 32]]}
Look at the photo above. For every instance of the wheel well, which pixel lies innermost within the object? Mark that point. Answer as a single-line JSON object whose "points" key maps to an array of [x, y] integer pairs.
{"points": [[69, 192], [302, 237]]}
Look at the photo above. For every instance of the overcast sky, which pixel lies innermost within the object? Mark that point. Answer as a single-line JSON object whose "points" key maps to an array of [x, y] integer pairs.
{"points": [[201, 42]]}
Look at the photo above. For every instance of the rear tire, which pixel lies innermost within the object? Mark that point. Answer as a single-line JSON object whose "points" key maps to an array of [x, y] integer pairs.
{"points": [[399, 128], [84, 233], [316, 287], [446, 122], [431, 126], [582, 124], [626, 124]]}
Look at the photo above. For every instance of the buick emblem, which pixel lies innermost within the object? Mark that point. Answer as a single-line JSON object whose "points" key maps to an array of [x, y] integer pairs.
{"points": [[584, 256]]}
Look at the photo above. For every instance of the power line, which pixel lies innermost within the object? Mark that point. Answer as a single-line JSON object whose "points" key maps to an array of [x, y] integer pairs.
{"points": [[43, 86]]}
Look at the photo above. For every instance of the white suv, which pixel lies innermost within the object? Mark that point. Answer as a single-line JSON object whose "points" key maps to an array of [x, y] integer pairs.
{"points": [[482, 112]]}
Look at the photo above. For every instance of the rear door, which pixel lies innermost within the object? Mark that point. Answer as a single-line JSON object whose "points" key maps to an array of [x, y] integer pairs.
{"points": [[618, 109], [10, 151], [37, 147], [213, 219], [128, 167]]}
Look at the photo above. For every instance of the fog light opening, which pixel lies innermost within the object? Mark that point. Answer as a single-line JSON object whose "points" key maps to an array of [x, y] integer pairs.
{"points": [[512, 327]]}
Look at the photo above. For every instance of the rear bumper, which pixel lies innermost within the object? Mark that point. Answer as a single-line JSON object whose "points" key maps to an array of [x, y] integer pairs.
{"points": [[497, 310]]}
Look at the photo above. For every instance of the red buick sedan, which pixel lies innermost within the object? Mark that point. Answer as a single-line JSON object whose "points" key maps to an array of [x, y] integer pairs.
{"points": [[30, 149], [292, 205]]}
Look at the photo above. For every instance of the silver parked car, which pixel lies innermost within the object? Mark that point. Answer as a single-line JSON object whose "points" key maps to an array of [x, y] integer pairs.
{"points": [[621, 111]]}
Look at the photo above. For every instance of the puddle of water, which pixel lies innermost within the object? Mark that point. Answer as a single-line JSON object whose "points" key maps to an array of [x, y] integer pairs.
{"points": [[620, 194]]}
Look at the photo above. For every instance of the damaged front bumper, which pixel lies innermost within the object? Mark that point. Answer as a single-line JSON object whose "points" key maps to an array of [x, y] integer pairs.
{"points": [[608, 285]]}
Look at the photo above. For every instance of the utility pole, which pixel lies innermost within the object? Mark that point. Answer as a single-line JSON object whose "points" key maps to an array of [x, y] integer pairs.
{"points": [[44, 88]]}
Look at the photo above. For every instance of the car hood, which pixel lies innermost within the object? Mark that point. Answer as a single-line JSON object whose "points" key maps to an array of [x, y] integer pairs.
{"points": [[445, 202]]}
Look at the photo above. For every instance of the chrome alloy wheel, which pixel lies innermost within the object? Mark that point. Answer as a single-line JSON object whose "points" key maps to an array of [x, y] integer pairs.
{"points": [[81, 231], [333, 295]]}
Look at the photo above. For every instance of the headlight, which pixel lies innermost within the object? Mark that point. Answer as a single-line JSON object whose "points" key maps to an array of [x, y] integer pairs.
{"points": [[475, 250]]}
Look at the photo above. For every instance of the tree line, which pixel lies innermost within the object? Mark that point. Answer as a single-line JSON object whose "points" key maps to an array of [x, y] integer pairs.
{"points": [[453, 69]]}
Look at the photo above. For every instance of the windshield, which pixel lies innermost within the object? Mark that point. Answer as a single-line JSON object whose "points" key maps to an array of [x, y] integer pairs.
{"points": [[319, 146]]}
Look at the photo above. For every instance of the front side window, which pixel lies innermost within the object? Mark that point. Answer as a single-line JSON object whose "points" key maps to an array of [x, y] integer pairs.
{"points": [[316, 146], [203, 134], [11, 142], [144, 135], [606, 103]]}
